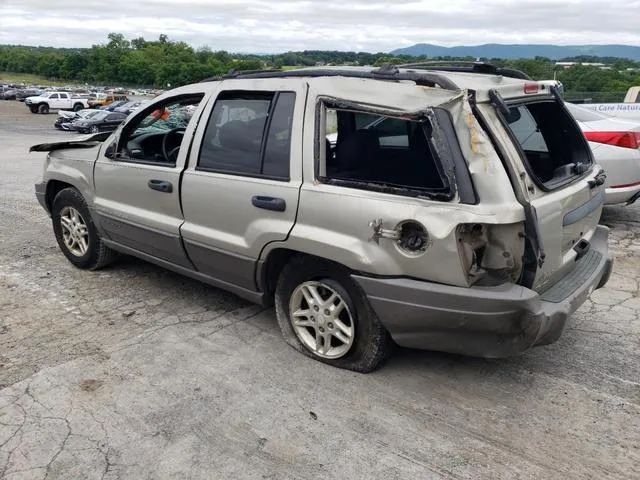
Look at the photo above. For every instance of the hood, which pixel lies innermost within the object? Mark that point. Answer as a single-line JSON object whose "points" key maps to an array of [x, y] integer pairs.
{"points": [[86, 141], [66, 114]]}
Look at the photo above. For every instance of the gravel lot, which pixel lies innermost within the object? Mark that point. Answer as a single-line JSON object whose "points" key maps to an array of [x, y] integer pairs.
{"points": [[136, 373]]}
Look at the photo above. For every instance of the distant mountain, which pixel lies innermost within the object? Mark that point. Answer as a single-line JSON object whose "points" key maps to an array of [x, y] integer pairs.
{"points": [[495, 50]]}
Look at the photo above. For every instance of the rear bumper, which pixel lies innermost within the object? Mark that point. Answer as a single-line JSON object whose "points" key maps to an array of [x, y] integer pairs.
{"points": [[485, 321], [626, 195]]}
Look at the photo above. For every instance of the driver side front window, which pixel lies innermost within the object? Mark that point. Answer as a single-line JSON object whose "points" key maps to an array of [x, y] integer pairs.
{"points": [[155, 136]]}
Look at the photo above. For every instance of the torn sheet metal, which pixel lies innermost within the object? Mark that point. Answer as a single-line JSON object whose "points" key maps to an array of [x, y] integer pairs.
{"points": [[391, 98], [86, 141], [489, 175]]}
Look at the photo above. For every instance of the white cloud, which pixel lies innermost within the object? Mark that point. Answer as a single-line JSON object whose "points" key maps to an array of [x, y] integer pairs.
{"points": [[281, 25]]}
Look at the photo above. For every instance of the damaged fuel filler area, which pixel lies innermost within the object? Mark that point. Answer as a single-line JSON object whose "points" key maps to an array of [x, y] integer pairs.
{"points": [[414, 155]]}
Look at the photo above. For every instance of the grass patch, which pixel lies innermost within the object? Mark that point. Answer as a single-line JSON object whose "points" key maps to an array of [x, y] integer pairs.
{"points": [[7, 77]]}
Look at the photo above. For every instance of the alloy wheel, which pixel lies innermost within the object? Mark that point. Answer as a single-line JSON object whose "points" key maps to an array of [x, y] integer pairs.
{"points": [[74, 231], [321, 319]]}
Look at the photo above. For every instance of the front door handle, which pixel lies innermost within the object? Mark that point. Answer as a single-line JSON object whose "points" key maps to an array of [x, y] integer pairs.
{"points": [[269, 203], [160, 185]]}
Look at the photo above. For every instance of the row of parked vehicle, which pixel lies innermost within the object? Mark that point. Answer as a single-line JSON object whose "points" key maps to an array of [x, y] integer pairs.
{"points": [[93, 120], [19, 94]]}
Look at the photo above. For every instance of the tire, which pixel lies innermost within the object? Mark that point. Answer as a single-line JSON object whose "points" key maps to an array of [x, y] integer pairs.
{"points": [[97, 254], [94, 129], [43, 108], [33, 108], [371, 343], [77, 107]]}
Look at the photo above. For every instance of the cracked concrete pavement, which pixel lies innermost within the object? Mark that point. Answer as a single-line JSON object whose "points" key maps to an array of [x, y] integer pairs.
{"points": [[137, 373]]}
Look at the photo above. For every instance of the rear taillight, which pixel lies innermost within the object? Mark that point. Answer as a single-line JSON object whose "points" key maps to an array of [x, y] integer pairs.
{"points": [[617, 139]]}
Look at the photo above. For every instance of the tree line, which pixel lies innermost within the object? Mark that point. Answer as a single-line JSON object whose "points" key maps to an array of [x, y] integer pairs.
{"points": [[163, 62]]}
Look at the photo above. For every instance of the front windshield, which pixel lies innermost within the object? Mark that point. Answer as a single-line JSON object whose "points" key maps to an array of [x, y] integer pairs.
{"points": [[88, 113]]}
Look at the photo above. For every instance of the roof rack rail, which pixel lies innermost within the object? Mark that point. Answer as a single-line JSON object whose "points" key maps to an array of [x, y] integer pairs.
{"points": [[233, 73], [468, 67], [386, 72]]}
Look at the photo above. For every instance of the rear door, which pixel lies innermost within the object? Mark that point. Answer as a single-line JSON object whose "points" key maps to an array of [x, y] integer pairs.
{"points": [[113, 120], [559, 178], [64, 101], [240, 190]]}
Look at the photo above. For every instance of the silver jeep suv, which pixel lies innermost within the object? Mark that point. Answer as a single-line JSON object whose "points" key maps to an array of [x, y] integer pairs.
{"points": [[450, 207]]}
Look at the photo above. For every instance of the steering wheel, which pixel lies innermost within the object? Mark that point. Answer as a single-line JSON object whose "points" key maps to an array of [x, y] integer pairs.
{"points": [[169, 154]]}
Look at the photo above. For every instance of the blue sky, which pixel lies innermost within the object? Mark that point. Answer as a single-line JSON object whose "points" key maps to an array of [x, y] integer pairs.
{"points": [[281, 25]]}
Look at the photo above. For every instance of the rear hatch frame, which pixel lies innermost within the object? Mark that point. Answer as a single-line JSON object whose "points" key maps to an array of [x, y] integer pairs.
{"points": [[542, 242]]}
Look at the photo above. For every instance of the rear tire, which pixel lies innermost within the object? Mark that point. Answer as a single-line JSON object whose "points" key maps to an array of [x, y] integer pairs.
{"points": [[43, 108], [369, 342], [91, 254]]}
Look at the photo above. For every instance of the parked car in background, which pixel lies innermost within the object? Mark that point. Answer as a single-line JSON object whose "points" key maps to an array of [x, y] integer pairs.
{"points": [[68, 120], [616, 147], [102, 100], [9, 94], [129, 107], [28, 92], [55, 101], [452, 235], [113, 105], [101, 122]]}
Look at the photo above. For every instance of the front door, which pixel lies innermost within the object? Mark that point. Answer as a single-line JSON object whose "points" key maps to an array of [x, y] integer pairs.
{"points": [[138, 190], [240, 190]]}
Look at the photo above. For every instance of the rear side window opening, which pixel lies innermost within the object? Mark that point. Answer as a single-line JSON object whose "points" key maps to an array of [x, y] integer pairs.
{"points": [[554, 147], [381, 153]]}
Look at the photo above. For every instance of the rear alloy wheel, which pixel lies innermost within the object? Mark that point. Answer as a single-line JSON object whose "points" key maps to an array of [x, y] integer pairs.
{"points": [[43, 108], [76, 233], [325, 315], [321, 319]]}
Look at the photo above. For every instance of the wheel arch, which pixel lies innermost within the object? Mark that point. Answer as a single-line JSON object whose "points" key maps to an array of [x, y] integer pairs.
{"points": [[53, 188], [269, 269]]}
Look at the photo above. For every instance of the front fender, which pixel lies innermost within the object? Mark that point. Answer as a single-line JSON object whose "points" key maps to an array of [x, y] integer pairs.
{"points": [[73, 167]]}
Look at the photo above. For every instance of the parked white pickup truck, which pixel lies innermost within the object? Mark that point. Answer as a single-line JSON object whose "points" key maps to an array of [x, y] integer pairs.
{"points": [[628, 110], [55, 101]]}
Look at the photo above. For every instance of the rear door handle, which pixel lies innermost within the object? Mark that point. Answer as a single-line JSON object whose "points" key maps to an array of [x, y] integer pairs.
{"points": [[269, 203], [160, 185]]}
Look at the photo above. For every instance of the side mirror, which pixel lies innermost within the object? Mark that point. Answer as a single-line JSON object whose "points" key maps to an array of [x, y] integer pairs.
{"points": [[110, 152]]}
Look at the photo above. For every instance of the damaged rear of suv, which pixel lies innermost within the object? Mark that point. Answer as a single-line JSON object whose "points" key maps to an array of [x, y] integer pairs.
{"points": [[451, 208]]}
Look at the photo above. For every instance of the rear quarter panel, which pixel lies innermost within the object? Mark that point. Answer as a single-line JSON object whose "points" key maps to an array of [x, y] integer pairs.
{"points": [[622, 165]]}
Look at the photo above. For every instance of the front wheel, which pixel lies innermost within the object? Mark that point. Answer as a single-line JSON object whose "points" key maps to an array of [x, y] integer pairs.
{"points": [[94, 129], [77, 107], [326, 316], [33, 108], [43, 108], [76, 233]]}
